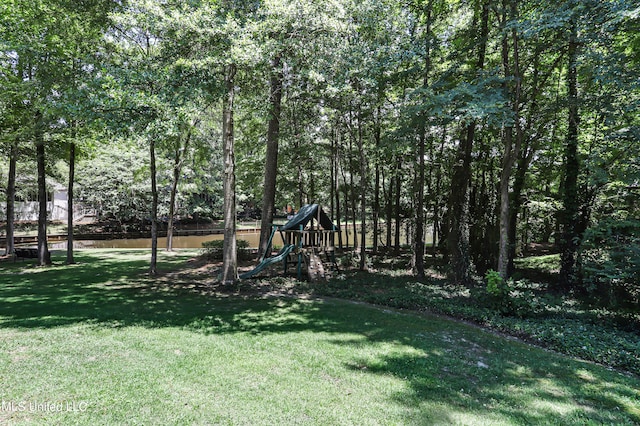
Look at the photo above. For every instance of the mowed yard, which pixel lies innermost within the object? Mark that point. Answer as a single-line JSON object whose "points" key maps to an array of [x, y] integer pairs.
{"points": [[101, 343]]}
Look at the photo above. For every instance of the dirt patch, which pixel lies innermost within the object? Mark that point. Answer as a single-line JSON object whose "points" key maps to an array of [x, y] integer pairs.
{"points": [[202, 275]]}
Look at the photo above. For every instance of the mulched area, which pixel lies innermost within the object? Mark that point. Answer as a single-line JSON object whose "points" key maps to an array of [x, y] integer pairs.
{"points": [[201, 275]]}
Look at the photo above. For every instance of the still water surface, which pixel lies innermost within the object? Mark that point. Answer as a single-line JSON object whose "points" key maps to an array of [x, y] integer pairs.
{"points": [[192, 241], [195, 241]]}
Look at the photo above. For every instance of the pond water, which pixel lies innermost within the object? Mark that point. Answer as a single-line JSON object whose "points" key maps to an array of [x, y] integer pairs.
{"points": [[192, 241], [195, 241]]}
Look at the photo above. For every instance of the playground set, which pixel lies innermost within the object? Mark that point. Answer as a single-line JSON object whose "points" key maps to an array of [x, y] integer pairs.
{"points": [[307, 238]]}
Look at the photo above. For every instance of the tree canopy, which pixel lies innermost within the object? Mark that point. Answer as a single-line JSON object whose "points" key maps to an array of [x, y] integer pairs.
{"points": [[484, 125]]}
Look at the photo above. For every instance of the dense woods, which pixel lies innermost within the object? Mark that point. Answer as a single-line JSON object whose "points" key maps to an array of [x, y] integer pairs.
{"points": [[477, 126]]}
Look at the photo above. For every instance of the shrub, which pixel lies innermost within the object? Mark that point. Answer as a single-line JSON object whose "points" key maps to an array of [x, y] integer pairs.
{"points": [[212, 250], [609, 261], [504, 296], [496, 286]]}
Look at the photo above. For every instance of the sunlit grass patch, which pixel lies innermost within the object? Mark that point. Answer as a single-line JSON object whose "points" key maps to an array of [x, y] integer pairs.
{"points": [[547, 263], [170, 351], [559, 322]]}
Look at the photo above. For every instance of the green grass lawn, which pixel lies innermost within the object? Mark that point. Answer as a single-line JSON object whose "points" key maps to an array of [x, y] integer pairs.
{"points": [[101, 343]]}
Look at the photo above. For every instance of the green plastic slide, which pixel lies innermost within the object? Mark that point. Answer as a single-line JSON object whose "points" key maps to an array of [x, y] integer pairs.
{"points": [[282, 255]]}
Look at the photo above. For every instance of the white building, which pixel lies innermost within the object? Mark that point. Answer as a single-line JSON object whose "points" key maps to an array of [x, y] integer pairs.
{"points": [[57, 196]]}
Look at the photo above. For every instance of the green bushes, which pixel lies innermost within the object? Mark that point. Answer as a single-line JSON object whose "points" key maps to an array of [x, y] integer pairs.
{"points": [[609, 262], [496, 286], [508, 297], [212, 250]]}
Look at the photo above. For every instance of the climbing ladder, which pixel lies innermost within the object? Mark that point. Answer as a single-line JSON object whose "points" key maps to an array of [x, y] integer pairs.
{"points": [[317, 269]]}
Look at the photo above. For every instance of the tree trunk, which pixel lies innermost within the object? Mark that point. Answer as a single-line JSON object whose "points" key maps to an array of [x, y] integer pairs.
{"points": [[354, 215], [505, 176], [332, 186], [458, 243], [571, 208], [346, 206], [376, 190], [389, 211], [172, 203], [300, 177], [418, 236], [346, 194], [44, 257], [419, 182], [437, 217], [516, 205], [229, 250], [72, 172], [271, 162], [398, 189], [11, 198], [511, 151], [363, 196], [352, 187], [336, 186], [346, 215], [153, 266], [527, 151], [180, 153]]}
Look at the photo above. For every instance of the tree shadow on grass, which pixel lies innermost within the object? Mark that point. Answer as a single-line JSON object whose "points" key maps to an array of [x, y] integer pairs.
{"points": [[61, 295], [454, 373], [483, 381], [115, 289]]}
